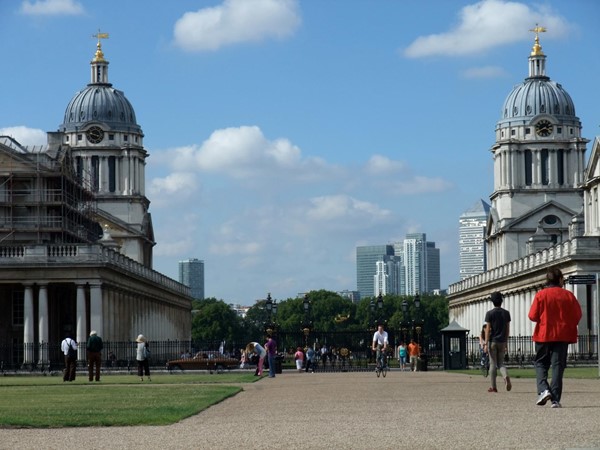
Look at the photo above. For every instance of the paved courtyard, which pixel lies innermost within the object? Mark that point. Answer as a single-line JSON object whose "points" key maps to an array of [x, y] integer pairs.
{"points": [[423, 410]]}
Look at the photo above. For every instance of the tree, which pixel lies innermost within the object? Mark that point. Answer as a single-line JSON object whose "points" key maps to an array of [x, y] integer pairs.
{"points": [[215, 321]]}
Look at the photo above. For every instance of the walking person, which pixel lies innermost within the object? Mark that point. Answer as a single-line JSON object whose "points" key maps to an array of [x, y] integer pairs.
{"points": [[310, 356], [556, 313], [94, 346], [414, 351], [402, 354], [271, 347], [143, 357], [497, 329], [69, 348], [299, 357]]}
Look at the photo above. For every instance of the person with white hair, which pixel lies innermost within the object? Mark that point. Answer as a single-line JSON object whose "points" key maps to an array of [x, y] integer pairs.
{"points": [[94, 348], [143, 357]]}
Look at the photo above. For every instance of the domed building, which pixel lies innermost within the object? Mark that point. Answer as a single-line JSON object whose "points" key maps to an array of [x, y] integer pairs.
{"points": [[538, 167], [76, 236], [544, 210], [107, 148]]}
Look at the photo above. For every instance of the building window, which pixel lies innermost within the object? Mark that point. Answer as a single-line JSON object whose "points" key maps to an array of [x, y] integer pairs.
{"points": [[111, 137], [513, 132], [112, 180], [18, 308], [560, 166], [559, 130], [528, 167], [67, 138], [544, 158], [79, 137], [125, 137], [571, 131], [527, 130], [136, 139], [95, 178]]}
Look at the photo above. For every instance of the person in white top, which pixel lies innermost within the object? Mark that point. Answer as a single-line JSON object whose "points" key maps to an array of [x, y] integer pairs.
{"points": [[380, 342], [69, 348]]}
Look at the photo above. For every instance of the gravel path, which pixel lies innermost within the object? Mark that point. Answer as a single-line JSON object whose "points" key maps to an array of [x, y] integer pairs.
{"points": [[424, 410]]}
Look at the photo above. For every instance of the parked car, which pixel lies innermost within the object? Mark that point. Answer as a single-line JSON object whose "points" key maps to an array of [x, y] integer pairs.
{"points": [[211, 361]]}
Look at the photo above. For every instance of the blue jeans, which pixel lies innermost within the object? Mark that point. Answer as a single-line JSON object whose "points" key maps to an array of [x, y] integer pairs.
{"points": [[271, 365]]}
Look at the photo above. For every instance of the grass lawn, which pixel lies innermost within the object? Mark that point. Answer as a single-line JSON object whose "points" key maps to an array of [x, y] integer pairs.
{"points": [[42, 402], [589, 373]]}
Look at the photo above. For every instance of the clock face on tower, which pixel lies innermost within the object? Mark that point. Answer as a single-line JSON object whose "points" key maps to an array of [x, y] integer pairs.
{"points": [[95, 135], [543, 128]]}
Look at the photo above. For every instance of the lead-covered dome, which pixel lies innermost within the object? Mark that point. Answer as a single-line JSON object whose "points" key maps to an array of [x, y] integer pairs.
{"points": [[538, 94], [100, 102]]}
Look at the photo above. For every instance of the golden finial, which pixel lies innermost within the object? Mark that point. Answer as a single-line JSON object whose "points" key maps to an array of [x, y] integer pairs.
{"points": [[99, 55], [537, 48]]}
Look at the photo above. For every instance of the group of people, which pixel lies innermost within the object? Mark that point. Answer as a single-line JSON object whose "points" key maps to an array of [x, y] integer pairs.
{"points": [[412, 352], [269, 350], [556, 313], [94, 346]]}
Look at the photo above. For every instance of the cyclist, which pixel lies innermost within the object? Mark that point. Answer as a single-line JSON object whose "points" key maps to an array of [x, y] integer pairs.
{"points": [[380, 344]]}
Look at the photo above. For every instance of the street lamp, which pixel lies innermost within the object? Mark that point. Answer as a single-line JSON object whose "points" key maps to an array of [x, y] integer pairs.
{"points": [[307, 324], [271, 308], [418, 322], [379, 305], [404, 323]]}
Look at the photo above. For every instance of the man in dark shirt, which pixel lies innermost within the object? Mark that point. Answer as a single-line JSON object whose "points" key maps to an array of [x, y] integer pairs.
{"points": [[94, 347], [497, 328]]}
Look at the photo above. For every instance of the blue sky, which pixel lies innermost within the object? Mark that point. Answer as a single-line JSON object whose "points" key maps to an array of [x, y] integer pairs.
{"points": [[283, 134]]}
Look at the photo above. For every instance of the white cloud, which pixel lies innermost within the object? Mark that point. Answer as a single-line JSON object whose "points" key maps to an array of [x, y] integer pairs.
{"points": [[236, 21], [420, 185], [334, 207], [52, 8], [174, 183], [244, 152], [484, 72], [26, 136], [488, 24], [379, 164]]}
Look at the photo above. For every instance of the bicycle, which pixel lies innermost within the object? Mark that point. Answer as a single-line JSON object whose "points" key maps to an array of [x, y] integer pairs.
{"points": [[381, 368]]}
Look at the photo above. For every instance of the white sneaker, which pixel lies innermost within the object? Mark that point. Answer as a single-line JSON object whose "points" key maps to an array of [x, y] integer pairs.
{"points": [[556, 405], [543, 398]]}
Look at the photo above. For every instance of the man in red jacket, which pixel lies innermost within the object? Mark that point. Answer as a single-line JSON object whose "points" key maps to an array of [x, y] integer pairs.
{"points": [[556, 312]]}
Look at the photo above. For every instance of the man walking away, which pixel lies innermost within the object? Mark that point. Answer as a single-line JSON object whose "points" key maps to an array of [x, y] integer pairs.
{"points": [[69, 348], [497, 327], [556, 313], [94, 347]]}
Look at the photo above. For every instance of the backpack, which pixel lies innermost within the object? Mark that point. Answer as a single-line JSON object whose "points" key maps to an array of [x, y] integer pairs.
{"points": [[71, 353]]}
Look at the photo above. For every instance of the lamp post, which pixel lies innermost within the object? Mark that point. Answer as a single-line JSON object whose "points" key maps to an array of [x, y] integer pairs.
{"points": [[417, 322], [379, 306], [271, 308], [307, 323], [404, 323]]}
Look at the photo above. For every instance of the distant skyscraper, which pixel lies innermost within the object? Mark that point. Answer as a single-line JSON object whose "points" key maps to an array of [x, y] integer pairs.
{"points": [[191, 273], [472, 246], [404, 268], [366, 266]]}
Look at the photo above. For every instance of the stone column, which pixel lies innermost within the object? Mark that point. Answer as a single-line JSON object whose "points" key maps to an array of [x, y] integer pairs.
{"points": [[96, 318], [81, 335], [28, 321], [43, 323]]}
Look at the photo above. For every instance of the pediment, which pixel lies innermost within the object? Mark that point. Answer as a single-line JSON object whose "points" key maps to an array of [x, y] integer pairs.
{"points": [[592, 170], [531, 219]]}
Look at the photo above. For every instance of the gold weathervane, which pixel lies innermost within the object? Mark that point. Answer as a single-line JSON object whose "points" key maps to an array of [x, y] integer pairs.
{"points": [[537, 48], [99, 55]]}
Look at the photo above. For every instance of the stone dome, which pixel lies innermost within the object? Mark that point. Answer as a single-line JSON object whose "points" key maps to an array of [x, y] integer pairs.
{"points": [[538, 95], [100, 103]]}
